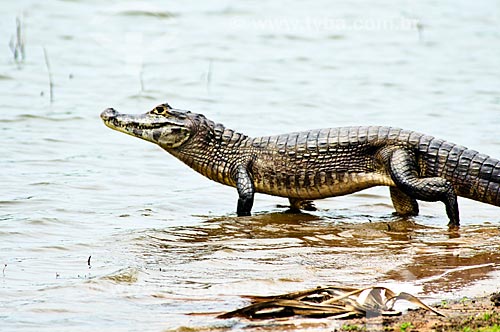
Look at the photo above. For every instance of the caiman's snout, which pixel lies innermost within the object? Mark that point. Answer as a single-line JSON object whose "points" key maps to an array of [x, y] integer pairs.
{"points": [[108, 114], [163, 125]]}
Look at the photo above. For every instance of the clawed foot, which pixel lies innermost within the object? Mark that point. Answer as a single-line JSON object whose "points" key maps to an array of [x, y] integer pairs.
{"points": [[308, 206], [297, 205]]}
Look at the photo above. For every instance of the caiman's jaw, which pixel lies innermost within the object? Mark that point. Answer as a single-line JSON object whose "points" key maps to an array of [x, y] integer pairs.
{"points": [[163, 125]]}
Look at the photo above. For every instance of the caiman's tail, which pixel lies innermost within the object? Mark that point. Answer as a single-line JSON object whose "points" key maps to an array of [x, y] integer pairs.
{"points": [[474, 175]]}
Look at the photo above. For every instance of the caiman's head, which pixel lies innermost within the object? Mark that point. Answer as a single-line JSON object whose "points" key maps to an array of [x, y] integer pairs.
{"points": [[165, 126]]}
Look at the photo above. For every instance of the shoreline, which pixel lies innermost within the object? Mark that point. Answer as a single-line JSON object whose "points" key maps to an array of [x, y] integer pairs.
{"points": [[479, 314]]}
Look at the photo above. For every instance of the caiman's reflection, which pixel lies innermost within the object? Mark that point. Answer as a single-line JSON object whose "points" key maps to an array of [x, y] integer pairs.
{"points": [[308, 228], [393, 249]]}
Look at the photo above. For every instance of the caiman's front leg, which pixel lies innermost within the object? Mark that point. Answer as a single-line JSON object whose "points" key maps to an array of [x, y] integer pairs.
{"points": [[403, 169], [246, 190]]}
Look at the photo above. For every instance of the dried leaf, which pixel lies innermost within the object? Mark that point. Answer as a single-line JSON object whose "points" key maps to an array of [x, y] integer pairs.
{"points": [[413, 299], [335, 302]]}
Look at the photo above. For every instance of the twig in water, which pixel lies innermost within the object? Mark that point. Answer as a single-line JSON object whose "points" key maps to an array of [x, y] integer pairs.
{"points": [[20, 38], [88, 262], [417, 23], [17, 43], [140, 77], [51, 83], [209, 75], [420, 29]]}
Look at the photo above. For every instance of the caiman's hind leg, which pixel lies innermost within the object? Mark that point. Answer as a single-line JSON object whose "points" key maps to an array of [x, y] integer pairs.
{"points": [[297, 204], [404, 204], [404, 172]]}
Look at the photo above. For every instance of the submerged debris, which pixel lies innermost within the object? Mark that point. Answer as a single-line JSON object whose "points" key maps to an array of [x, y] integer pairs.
{"points": [[126, 275], [336, 302]]}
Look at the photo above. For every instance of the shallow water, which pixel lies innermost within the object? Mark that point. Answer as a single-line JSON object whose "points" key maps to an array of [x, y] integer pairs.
{"points": [[163, 240]]}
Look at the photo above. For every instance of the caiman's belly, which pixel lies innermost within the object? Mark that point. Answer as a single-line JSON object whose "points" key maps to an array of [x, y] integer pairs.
{"points": [[310, 185]]}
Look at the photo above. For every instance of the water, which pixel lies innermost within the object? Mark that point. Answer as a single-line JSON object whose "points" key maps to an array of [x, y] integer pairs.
{"points": [[163, 240]]}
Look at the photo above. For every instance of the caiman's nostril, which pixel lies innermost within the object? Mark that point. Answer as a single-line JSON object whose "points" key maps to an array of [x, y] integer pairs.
{"points": [[108, 114]]}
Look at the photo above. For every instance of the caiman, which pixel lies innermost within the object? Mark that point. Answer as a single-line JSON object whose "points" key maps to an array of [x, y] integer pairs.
{"points": [[320, 163]]}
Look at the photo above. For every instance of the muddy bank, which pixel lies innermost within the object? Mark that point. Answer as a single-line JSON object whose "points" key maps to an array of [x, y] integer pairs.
{"points": [[478, 314], [474, 314]]}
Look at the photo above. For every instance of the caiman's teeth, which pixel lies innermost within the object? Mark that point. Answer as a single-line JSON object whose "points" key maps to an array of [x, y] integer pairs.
{"points": [[137, 125]]}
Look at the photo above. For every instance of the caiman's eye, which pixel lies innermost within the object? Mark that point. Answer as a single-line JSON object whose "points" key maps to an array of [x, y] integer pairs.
{"points": [[159, 110], [162, 109]]}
